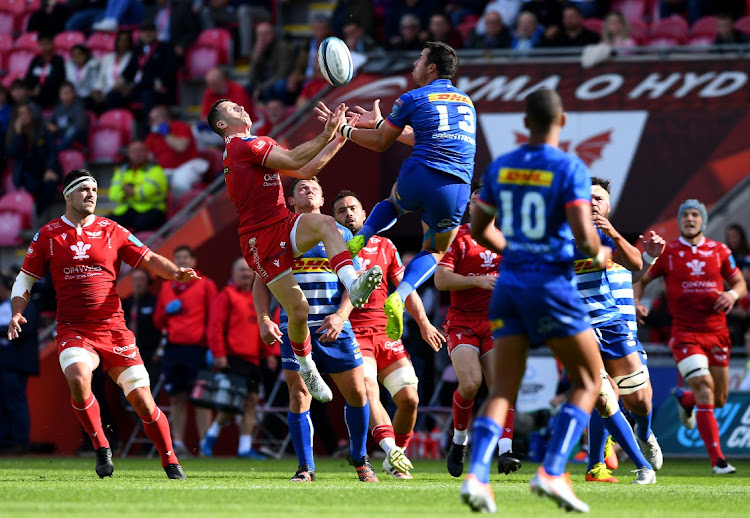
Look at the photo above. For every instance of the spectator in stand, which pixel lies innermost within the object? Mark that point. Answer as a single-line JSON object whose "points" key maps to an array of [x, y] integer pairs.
{"points": [[235, 343], [362, 11], [736, 239], [101, 15], [19, 359], [726, 34], [616, 31], [239, 16], [32, 148], [460, 9], [111, 69], [737, 319], [272, 114], [356, 38], [173, 146], [312, 87], [68, 123], [6, 109], [139, 316], [151, 73], [695, 9], [219, 86], [440, 28], [46, 73], [182, 310], [20, 94], [421, 9], [176, 24], [496, 35], [591, 8], [50, 18], [572, 33], [306, 55], [410, 36], [82, 71], [140, 189], [548, 13], [529, 33], [271, 64], [507, 9]]}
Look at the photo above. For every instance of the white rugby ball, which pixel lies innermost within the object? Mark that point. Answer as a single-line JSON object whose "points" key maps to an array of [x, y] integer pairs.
{"points": [[335, 61]]}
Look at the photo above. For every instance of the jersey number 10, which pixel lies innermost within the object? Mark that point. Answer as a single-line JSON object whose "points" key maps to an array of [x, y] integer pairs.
{"points": [[531, 203], [466, 125]]}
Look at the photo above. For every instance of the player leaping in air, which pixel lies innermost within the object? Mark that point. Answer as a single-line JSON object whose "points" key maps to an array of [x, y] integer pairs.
{"points": [[271, 236]]}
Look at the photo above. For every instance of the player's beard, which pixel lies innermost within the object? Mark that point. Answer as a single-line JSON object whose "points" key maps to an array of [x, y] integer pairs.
{"points": [[690, 233]]}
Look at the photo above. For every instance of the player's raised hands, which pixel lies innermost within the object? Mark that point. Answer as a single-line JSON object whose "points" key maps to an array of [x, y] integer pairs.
{"points": [[185, 274], [14, 326], [336, 119], [653, 243], [368, 119], [603, 224]]}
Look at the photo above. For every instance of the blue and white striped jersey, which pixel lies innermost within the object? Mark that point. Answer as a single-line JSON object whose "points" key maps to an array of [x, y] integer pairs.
{"points": [[594, 287], [621, 284]]}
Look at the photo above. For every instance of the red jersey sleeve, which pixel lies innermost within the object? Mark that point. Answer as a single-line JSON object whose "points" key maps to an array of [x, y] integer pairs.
{"points": [[395, 268], [254, 151], [218, 320], [130, 249], [728, 266], [450, 258], [35, 263], [659, 268]]}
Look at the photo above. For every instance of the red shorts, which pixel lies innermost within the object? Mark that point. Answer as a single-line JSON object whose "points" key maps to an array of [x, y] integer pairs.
{"points": [[374, 343], [471, 332], [715, 346], [114, 345], [268, 250]]}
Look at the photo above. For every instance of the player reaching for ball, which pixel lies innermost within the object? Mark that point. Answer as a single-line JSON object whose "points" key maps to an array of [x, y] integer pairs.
{"points": [[439, 121], [271, 236]]}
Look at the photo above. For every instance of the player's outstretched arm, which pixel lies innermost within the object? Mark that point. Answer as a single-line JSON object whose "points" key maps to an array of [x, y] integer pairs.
{"points": [[377, 138], [483, 229], [448, 280], [373, 119], [166, 269], [653, 245], [625, 253], [314, 166]]}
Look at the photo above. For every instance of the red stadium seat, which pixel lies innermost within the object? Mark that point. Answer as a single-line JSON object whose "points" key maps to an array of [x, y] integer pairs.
{"points": [[220, 39], [215, 160], [9, 78], [12, 13], [705, 26], [28, 41], [467, 25], [100, 43], [66, 40], [630, 9], [200, 59], [20, 202], [638, 31], [7, 22], [105, 144], [118, 119], [670, 31], [594, 24], [6, 44], [11, 225], [18, 61], [743, 24], [70, 160], [92, 117]]}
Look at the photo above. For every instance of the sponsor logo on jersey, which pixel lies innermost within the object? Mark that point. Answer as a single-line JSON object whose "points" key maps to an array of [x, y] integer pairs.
{"points": [[53, 226], [94, 235], [396, 107], [80, 249], [104, 222], [125, 351], [276, 262], [488, 258], [496, 324], [36, 236], [370, 249], [311, 264], [64, 235], [696, 267], [587, 265], [259, 144], [450, 98], [29, 251], [83, 268], [530, 177], [251, 242]]}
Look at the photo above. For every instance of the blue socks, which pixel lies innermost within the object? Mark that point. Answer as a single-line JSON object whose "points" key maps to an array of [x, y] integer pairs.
{"points": [[485, 436], [569, 425], [382, 216], [597, 439], [621, 432], [643, 425], [301, 430], [417, 271], [357, 419]]}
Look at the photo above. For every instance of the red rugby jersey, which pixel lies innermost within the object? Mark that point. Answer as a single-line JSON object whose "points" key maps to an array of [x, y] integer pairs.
{"points": [[466, 257], [692, 276], [84, 264], [381, 251]]}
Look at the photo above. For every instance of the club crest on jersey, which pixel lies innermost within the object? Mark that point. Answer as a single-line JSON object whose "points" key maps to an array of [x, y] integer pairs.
{"points": [[487, 258], [80, 249], [94, 235], [696, 267], [104, 223]]}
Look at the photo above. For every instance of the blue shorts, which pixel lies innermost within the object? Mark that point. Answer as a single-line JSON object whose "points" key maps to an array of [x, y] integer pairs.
{"points": [[442, 197], [180, 365], [340, 355], [537, 304], [616, 340]]}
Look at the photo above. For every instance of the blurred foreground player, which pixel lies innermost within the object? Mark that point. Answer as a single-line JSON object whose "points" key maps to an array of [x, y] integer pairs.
{"points": [[83, 253]]}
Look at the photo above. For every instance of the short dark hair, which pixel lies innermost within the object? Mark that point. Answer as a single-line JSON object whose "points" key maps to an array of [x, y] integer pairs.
{"points": [[543, 108], [214, 116], [571, 5], [290, 192], [443, 57], [184, 248], [601, 182], [75, 175], [19, 83], [68, 83], [345, 193]]}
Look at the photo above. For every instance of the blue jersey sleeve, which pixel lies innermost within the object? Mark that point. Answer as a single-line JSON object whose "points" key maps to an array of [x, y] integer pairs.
{"points": [[607, 241], [489, 184], [400, 115], [578, 186]]}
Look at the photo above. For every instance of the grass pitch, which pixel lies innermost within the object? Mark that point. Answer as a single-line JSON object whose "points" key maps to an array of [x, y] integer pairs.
{"points": [[36, 486]]}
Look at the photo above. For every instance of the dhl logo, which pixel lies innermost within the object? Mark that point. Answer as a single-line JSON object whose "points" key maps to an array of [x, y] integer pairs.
{"points": [[496, 324], [531, 177], [587, 265], [450, 98], [614, 267], [311, 264]]}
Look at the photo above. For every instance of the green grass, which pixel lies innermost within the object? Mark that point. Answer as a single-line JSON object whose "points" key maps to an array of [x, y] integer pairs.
{"points": [[35, 486]]}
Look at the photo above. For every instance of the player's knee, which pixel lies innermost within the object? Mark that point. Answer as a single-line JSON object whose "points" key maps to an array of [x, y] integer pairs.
{"points": [[407, 399], [132, 378], [694, 366], [468, 388], [299, 311], [400, 378], [638, 403]]}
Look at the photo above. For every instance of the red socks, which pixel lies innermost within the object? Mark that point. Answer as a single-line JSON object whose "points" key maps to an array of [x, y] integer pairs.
{"points": [[341, 260], [402, 439], [508, 426], [157, 430], [91, 420], [688, 399], [709, 431], [462, 409], [383, 431], [303, 349]]}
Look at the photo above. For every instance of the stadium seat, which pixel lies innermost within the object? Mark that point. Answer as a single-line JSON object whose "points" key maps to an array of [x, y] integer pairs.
{"points": [[18, 61], [9, 78], [20, 202], [28, 41], [466, 26], [220, 39], [12, 13], [6, 45], [630, 9], [118, 119], [638, 31], [100, 43], [65, 41], [105, 144], [705, 26], [743, 24], [7, 22], [200, 59], [70, 160], [92, 117], [11, 225], [668, 32], [594, 24]]}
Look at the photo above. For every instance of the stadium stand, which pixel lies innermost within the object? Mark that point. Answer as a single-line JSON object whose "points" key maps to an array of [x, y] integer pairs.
{"points": [[65, 41], [101, 43], [668, 32]]}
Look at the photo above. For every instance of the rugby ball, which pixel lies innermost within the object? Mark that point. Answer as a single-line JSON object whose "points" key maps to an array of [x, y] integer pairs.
{"points": [[335, 61]]}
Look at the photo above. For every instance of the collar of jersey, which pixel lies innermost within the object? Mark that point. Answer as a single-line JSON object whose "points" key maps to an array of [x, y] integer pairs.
{"points": [[688, 243], [68, 222]]}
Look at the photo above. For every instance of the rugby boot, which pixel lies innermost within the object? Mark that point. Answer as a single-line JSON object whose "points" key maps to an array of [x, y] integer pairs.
{"points": [[304, 474], [364, 469], [394, 310], [559, 489], [477, 495], [507, 463], [652, 451], [104, 466], [455, 459], [174, 471], [362, 288], [355, 244]]}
